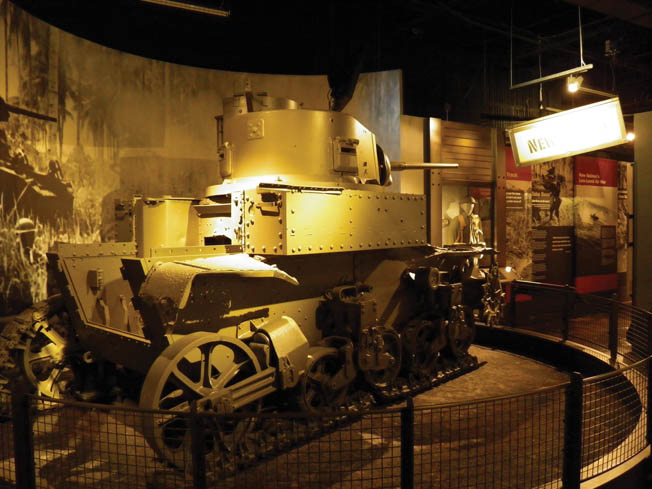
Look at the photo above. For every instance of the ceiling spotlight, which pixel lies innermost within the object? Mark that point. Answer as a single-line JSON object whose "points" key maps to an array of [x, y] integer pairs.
{"points": [[630, 136], [573, 83]]}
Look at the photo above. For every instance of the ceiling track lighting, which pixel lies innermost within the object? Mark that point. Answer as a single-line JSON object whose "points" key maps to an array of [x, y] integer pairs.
{"points": [[192, 7], [554, 76]]}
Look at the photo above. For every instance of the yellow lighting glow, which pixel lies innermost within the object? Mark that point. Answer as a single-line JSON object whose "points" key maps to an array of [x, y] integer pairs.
{"points": [[630, 136]]}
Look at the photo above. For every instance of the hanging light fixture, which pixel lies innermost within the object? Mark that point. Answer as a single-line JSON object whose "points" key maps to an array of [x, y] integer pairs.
{"points": [[573, 83], [582, 68]]}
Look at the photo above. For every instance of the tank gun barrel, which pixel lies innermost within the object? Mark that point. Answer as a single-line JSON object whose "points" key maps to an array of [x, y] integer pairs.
{"points": [[6, 108], [413, 165]]}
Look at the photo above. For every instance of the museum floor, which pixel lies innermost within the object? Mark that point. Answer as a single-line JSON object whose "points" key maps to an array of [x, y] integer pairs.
{"points": [[500, 374]]}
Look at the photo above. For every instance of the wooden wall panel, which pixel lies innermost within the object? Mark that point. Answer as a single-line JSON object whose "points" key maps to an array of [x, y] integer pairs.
{"points": [[433, 130], [471, 147], [412, 149]]}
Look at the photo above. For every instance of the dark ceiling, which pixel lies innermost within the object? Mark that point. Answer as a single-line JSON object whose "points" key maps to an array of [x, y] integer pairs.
{"points": [[455, 54]]}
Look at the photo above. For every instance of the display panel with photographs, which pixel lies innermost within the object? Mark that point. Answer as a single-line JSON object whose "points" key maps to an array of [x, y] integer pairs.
{"points": [[552, 222]]}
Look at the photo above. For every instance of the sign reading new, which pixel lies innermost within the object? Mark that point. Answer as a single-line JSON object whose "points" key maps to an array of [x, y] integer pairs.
{"points": [[568, 133]]}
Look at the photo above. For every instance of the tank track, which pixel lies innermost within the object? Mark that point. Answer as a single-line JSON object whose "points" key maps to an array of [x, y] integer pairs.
{"points": [[271, 436], [277, 435]]}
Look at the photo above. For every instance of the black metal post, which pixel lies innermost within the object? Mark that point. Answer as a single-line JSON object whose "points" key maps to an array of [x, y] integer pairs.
{"points": [[513, 291], [21, 406], [649, 334], [198, 449], [649, 379], [649, 400], [571, 472], [566, 312], [613, 329], [407, 445]]}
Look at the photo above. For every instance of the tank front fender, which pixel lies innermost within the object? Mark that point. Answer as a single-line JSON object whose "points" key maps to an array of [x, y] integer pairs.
{"points": [[170, 286]]}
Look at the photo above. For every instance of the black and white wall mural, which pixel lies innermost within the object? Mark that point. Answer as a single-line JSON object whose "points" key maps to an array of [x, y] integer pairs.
{"points": [[82, 125]]}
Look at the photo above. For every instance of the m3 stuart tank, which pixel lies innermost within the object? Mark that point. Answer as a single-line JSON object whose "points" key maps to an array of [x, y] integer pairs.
{"points": [[297, 274]]}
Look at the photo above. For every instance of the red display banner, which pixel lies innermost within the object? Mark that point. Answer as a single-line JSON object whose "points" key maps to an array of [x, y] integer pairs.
{"points": [[599, 172], [512, 172], [596, 205], [481, 192], [596, 283]]}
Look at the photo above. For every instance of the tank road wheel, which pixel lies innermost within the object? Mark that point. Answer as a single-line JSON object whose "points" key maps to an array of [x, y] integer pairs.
{"points": [[423, 340], [460, 331], [387, 347], [493, 297], [320, 389], [194, 369]]}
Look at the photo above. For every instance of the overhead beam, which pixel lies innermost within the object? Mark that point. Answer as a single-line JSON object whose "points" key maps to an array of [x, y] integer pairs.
{"points": [[626, 10]]}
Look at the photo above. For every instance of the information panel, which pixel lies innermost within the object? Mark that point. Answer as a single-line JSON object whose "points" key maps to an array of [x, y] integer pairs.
{"points": [[596, 207]]}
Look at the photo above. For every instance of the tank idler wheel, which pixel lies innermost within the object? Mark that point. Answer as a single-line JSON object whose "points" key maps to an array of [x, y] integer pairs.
{"points": [[319, 389], [460, 332], [387, 343], [193, 369], [40, 352]]}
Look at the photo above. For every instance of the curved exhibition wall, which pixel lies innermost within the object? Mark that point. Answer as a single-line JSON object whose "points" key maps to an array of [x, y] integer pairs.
{"points": [[121, 125]]}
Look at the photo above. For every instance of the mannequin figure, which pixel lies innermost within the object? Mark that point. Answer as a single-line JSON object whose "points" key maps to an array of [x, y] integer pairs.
{"points": [[469, 225]]}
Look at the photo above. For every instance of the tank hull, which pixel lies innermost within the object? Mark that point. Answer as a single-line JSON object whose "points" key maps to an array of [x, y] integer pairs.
{"points": [[46, 199]]}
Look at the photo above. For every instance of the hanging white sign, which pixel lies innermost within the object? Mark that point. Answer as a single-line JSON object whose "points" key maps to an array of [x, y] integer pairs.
{"points": [[568, 133]]}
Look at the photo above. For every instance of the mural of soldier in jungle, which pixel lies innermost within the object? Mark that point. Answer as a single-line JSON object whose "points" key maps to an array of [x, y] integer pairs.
{"points": [[553, 184]]}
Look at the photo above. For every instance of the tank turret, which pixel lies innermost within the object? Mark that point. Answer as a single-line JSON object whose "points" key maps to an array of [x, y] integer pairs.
{"points": [[295, 182]]}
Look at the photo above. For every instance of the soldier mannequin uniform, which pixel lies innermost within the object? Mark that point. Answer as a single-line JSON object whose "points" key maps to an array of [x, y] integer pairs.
{"points": [[469, 225]]}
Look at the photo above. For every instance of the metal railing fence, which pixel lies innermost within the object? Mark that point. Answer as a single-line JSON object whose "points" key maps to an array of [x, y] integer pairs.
{"points": [[615, 422], [550, 438], [614, 328]]}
